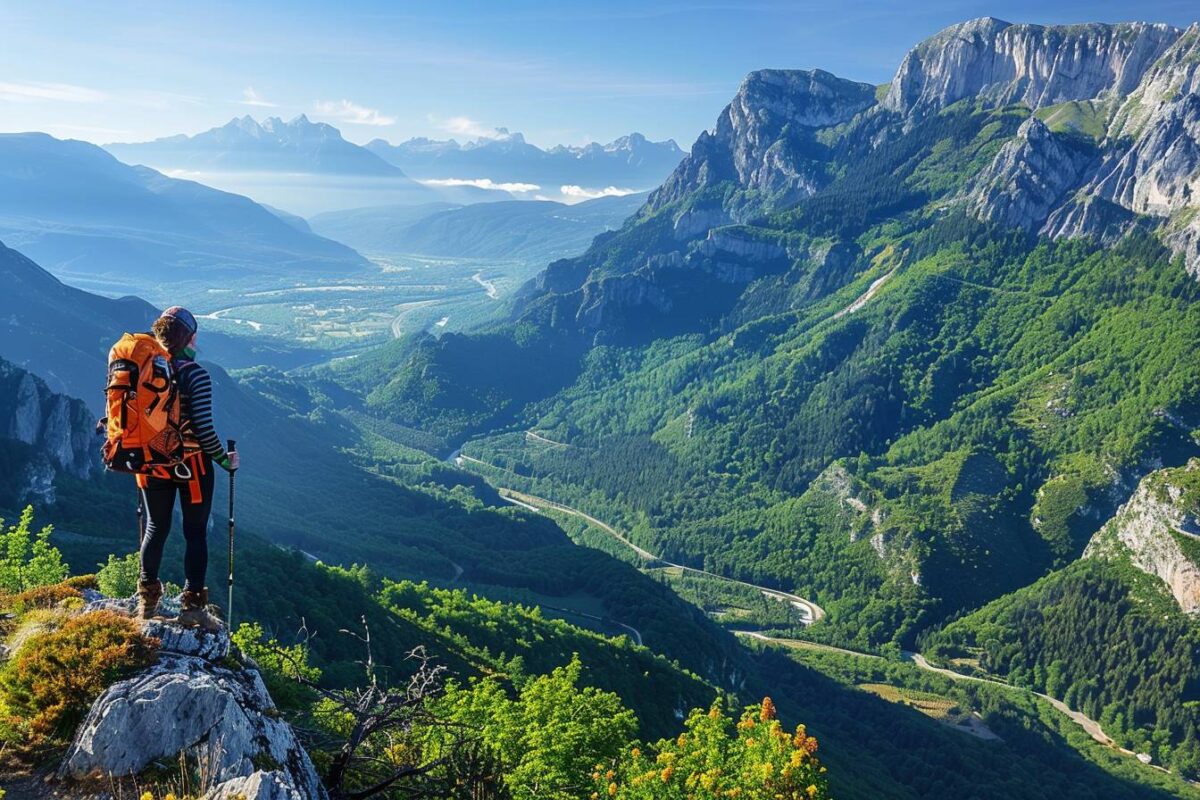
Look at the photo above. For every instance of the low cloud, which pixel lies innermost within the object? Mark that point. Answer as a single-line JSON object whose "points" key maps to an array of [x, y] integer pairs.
{"points": [[352, 113], [467, 127], [251, 97], [55, 92], [579, 193], [483, 183]]}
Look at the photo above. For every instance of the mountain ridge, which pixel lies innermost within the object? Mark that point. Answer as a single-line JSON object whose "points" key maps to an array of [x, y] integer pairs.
{"points": [[243, 143]]}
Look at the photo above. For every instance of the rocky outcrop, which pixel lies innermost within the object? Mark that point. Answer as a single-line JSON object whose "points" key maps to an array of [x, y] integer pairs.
{"points": [[1148, 167], [195, 700], [1160, 173], [763, 140], [1000, 63], [1175, 74], [1028, 178], [58, 427], [42, 435], [1089, 217], [1148, 530], [1183, 237]]}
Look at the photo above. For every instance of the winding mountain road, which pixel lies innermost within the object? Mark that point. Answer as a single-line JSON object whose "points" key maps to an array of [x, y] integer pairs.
{"points": [[1089, 725], [810, 612]]}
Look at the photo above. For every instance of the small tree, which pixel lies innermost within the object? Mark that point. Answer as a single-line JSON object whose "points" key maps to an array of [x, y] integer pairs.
{"points": [[375, 732], [28, 560], [118, 577], [546, 741]]}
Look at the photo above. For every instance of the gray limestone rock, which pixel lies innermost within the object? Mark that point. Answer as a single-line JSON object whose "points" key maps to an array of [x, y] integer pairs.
{"points": [[1027, 178], [763, 139], [1036, 65], [273, 785], [193, 700]]}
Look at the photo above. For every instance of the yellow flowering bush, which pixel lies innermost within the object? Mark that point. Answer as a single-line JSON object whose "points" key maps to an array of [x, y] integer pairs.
{"points": [[756, 759]]}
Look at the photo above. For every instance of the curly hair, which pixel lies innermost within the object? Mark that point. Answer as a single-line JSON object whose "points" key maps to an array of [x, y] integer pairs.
{"points": [[171, 334]]}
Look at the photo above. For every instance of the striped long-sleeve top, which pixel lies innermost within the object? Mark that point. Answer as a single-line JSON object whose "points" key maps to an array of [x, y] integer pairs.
{"points": [[195, 392]]}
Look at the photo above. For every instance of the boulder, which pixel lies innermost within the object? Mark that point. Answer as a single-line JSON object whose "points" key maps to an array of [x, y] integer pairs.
{"points": [[194, 700], [272, 785]]}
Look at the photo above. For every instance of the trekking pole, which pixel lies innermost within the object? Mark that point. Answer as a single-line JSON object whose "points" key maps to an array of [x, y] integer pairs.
{"points": [[141, 519], [232, 448]]}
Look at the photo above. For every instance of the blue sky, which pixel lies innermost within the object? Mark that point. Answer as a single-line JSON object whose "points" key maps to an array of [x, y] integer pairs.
{"points": [[557, 71]]}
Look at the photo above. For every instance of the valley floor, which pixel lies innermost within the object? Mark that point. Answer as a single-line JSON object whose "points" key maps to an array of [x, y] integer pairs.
{"points": [[811, 612]]}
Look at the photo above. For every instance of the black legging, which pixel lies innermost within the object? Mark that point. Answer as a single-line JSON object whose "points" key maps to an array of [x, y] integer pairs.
{"points": [[158, 499]]}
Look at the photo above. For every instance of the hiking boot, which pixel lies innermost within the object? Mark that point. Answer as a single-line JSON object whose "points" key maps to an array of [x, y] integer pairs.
{"points": [[194, 611], [149, 593]]}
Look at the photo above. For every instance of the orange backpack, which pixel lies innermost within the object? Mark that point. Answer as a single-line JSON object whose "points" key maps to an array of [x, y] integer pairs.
{"points": [[142, 426]]}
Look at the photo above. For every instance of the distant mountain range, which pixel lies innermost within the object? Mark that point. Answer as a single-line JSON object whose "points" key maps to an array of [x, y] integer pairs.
{"points": [[270, 146], [307, 167], [630, 162], [75, 208], [514, 229]]}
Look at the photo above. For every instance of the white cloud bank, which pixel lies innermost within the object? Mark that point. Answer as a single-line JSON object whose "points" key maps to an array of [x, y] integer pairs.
{"points": [[251, 97], [483, 183], [352, 113], [579, 193], [56, 92]]}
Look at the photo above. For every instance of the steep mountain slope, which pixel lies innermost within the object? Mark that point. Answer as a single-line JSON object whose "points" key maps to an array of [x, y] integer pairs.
{"points": [[1114, 634], [75, 208], [62, 334], [272, 146], [630, 162], [529, 230], [812, 290]]}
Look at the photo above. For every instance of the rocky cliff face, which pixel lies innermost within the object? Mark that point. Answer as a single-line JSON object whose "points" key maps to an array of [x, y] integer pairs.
{"points": [[763, 140], [1153, 529], [1001, 63], [1146, 167], [787, 136], [1174, 74], [1160, 173], [196, 700], [56, 428], [1028, 178]]}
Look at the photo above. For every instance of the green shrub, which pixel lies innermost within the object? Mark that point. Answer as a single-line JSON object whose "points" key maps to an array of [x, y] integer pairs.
{"points": [[48, 686], [26, 559], [280, 666], [712, 758], [118, 577]]}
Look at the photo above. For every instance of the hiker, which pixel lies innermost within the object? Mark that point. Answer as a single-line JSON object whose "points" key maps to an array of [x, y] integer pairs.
{"points": [[193, 479]]}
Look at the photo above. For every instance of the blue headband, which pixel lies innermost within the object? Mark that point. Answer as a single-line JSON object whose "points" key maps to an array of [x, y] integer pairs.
{"points": [[183, 315]]}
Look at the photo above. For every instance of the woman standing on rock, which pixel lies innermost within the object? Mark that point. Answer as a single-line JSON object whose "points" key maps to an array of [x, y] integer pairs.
{"points": [[193, 479]]}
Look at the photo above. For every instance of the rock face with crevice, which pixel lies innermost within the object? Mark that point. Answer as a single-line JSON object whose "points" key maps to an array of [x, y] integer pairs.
{"points": [[42, 435], [1143, 166], [1028, 177], [1000, 63], [196, 700], [1152, 529], [763, 140]]}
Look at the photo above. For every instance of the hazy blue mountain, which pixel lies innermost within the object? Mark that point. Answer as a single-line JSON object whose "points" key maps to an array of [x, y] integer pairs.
{"points": [[75, 208], [303, 166], [270, 146], [62, 334], [630, 162], [531, 230]]}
